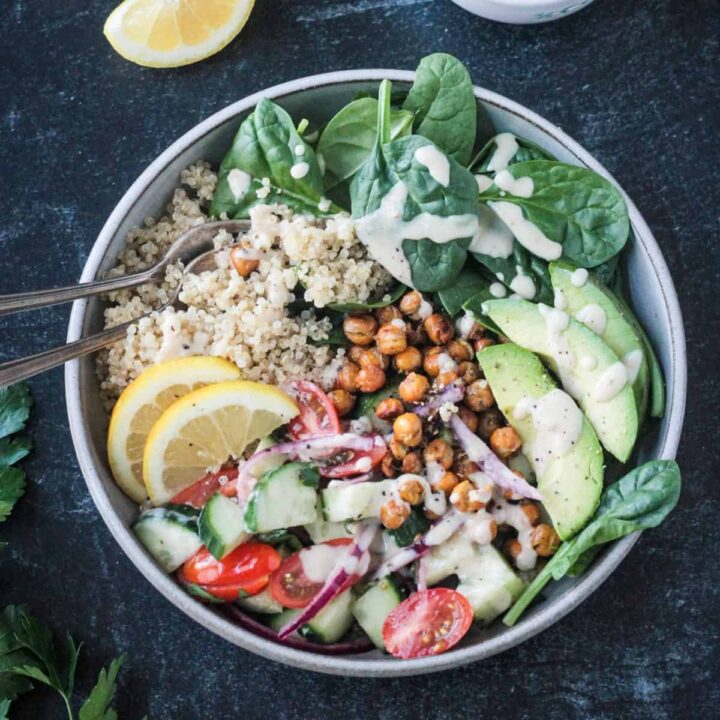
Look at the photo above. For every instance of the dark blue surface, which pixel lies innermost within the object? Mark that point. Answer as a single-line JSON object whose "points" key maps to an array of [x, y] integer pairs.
{"points": [[637, 83]]}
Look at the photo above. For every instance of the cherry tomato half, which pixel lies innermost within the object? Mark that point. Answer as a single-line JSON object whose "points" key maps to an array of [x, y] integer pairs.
{"points": [[201, 491], [317, 412], [429, 622], [247, 568], [355, 464], [290, 586]]}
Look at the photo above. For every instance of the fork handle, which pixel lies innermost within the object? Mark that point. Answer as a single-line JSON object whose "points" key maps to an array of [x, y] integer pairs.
{"points": [[41, 298], [17, 370]]}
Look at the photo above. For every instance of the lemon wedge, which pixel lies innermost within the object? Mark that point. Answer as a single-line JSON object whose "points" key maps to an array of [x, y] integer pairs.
{"points": [[205, 428], [144, 401], [169, 33]]}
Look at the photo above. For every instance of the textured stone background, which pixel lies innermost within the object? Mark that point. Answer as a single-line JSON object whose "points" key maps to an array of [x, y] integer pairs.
{"points": [[635, 82]]}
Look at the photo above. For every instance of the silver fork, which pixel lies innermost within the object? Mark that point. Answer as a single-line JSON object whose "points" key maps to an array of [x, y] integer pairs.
{"points": [[193, 248]]}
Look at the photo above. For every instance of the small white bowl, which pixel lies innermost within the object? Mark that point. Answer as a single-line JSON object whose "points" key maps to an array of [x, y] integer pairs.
{"points": [[523, 12]]}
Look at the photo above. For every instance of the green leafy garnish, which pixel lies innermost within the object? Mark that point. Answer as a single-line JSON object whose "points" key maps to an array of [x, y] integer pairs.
{"points": [[469, 283], [415, 525], [15, 402], [97, 706], [526, 151], [309, 475], [640, 500]]}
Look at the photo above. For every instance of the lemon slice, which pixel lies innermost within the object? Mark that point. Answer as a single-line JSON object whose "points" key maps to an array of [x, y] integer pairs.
{"points": [[144, 401], [207, 427], [169, 33]]}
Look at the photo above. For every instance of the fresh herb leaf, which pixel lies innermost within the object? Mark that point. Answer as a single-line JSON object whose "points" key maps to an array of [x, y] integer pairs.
{"points": [[12, 488], [15, 402], [266, 147], [572, 206], [309, 475], [469, 282], [443, 102], [97, 706], [526, 151], [4, 708], [414, 525], [640, 500], [12, 451]]}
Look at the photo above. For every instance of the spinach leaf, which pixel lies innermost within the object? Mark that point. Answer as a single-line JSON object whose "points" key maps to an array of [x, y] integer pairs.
{"points": [[435, 265], [367, 403], [640, 500], [474, 307], [520, 263], [414, 525], [349, 138], [526, 151], [572, 206], [265, 147], [393, 296], [468, 284], [605, 272], [443, 102]]}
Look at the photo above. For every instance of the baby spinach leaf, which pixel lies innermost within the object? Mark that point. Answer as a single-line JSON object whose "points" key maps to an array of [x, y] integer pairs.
{"points": [[387, 298], [468, 284], [640, 500], [605, 272], [443, 102], [474, 306], [266, 147], [573, 206], [349, 138], [435, 265], [526, 151]]}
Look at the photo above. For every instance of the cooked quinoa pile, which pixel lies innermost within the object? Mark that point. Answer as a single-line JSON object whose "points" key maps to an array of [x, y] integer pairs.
{"points": [[246, 320]]}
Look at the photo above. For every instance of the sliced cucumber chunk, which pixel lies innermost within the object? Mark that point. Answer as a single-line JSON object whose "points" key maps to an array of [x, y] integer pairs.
{"points": [[328, 626], [221, 525], [169, 534], [280, 500], [371, 608], [321, 530], [262, 603], [357, 501], [270, 462]]}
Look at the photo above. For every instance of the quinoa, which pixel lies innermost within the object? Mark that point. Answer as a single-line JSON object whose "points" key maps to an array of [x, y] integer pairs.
{"points": [[304, 262]]}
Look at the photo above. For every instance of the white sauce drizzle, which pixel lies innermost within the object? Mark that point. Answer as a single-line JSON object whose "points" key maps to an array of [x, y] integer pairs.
{"points": [[465, 324], [445, 363], [425, 309], [611, 382], [498, 290], [239, 183], [559, 300], [506, 145], [484, 182], [299, 170], [324, 205], [435, 502], [588, 362], [436, 162], [493, 237], [594, 316], [632, 362], [556, 322], [579, 277], [299, 150], [520, 187], [508, 514], [523, 285], [528, 234], [558, 425], [479, 528]]}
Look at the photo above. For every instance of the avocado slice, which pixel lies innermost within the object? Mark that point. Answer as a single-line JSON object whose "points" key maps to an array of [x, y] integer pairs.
{"points": [[588, 369], [559, 442], [593, 301]]}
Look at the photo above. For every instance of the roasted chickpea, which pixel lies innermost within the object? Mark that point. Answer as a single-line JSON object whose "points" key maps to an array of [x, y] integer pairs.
{"points": [[408, 429], [466, 468], [372, 356], [391, 339], [478, 396], [360, 329], [397, 449], [469, 418], [446, 483], [460, 350], [431, 361], [531, 510], [416, 335], [408, 360], [475, 333], [412, 463], [243, 266], [463, 497], [387, 314], [488, 422], [410, 302], [354, 353], [438, 328], [439, 451], [469, 372], [505, 442], [387, 466], [389, 409], [347, 377], [445, 378], [370, 378], [492, 526], [513, 548], [545, 540], [393, 514], [482, 343], [414, 388], [342, 400], [411, 490]]}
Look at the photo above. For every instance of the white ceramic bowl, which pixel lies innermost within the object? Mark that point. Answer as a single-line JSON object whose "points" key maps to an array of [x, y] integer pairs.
{"points": [[318, 97], [523, 12]]}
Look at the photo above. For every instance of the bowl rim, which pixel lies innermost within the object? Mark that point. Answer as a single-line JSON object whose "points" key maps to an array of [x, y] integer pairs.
{"points": [[533, 624]]}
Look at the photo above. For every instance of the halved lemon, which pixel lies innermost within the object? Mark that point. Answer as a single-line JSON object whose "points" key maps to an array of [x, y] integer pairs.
{"points": [[204, 429], [169, 33], [144, 401]]}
